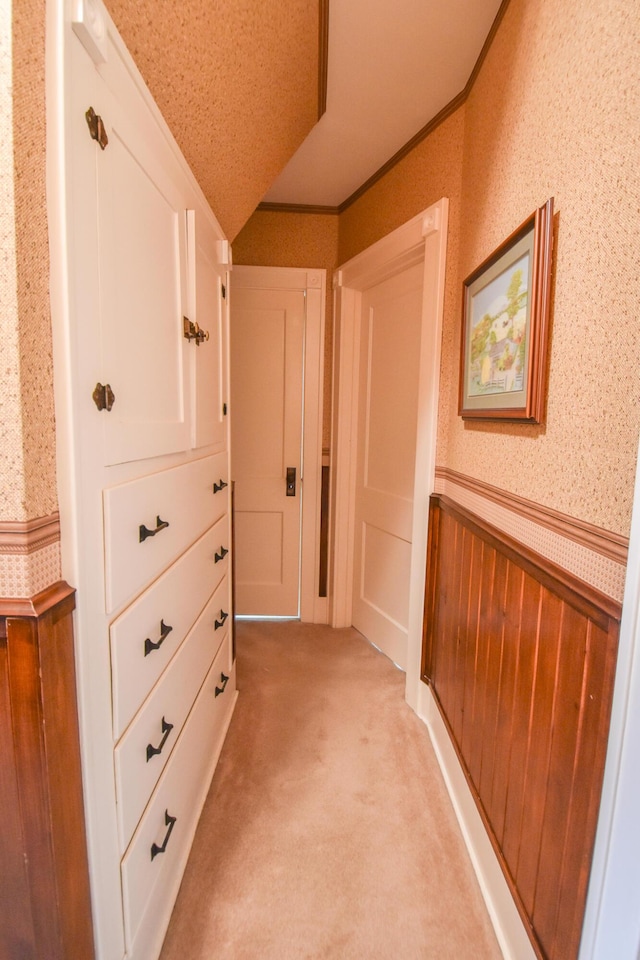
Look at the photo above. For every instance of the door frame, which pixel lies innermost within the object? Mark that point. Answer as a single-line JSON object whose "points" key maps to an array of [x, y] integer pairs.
{"points": [[312, 282], [423, 239]]}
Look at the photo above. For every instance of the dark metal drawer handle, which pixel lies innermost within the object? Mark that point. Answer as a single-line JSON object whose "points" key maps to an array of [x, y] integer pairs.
{"points": [[220, 556], [220, 623], [149, 645], [145, 532], [169, 822], [224, 680], [166, 730], [217, 487]]}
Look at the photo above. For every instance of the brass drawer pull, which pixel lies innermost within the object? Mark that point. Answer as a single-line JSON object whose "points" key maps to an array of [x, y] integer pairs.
{"points": [[217, 487], [149, 645], [145, 532]]}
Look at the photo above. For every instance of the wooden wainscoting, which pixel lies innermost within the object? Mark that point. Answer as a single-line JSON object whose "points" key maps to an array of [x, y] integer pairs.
{"points": [[521, 658], [45, 907]]}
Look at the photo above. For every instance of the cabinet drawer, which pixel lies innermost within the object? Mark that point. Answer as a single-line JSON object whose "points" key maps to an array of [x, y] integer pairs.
{"points": [[153, 864], [142, 754], [150, 521], [147, 634]]}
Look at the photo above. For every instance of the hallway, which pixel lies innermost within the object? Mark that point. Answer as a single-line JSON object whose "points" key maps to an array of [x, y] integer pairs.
{"points": [[328, 831]]}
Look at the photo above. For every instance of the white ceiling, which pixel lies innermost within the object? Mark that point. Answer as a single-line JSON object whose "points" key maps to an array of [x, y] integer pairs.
{"points": [[392, 67]]}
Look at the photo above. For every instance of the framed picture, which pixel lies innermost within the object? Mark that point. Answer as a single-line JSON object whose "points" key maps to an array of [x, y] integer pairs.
{"points": [[505, 327]]}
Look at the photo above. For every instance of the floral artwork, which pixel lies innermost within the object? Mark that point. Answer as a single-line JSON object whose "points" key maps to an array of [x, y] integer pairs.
{"points": [[498, 333], [505, 327]]}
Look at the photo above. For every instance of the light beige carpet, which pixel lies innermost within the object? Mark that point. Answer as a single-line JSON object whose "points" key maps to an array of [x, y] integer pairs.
{"points": [[328, 831]]}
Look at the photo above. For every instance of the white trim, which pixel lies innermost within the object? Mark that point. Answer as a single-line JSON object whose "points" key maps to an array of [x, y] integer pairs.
{"points": [[612, 916], [509, 928], [421, 239], [434, 230], [313, 609]]}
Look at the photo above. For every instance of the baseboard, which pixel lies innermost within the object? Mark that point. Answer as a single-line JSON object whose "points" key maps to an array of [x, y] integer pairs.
{"points": [[510, 931]]}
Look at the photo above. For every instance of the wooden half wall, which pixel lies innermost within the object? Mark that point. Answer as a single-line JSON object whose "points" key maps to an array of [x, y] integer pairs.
{"points": [[521, 657]]}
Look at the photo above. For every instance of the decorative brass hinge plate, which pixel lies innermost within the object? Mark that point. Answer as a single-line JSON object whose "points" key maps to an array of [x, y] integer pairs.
{"points": [[192, 331], [96, 128], [103, 397]]}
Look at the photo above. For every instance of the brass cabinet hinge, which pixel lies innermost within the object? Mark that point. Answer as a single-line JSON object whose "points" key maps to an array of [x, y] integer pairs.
{"points": [[103, 397], [96, 128], [192, 331]]}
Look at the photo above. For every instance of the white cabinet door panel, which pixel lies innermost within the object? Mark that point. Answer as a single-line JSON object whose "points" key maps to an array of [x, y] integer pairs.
{"points": [[208, 310], [143, 295]]}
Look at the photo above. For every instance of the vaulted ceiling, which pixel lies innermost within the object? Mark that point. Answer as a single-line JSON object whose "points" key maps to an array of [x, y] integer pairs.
{"points": [[237, 82]]}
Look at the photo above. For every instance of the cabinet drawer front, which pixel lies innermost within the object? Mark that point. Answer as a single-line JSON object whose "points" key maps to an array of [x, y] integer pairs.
{"points": [[147, 634], [151, 521], [144, 750], [153, 864]]}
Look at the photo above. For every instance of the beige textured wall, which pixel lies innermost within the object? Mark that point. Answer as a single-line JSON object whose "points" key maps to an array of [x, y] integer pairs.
{"points": [[236, 82], [11, 467], [28, 487], [272, 239], [555, 111]]}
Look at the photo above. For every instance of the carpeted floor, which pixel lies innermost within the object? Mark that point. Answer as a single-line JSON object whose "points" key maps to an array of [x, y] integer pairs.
{"points": [[328, 831]]}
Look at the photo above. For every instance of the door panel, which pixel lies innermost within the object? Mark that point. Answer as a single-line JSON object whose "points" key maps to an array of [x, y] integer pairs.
{"points": [[142, 262], [387, 421], [266, 382], [208, 312]]}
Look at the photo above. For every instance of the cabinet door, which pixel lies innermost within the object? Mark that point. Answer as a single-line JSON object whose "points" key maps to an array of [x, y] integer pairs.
{"points": [[209, 312], [143, 284]]}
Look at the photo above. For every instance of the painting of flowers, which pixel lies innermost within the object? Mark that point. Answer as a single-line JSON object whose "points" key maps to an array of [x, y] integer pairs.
{"points": [[505, 326]]}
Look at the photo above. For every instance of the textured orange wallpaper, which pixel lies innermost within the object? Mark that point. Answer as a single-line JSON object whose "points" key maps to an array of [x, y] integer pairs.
{"points": [[28, 424], [555, 110], [273, 239], [237, 84]]}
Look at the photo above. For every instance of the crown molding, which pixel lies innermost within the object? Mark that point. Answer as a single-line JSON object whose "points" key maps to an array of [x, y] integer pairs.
{"points": [[411, 144], [323, 55], [297, 208]]}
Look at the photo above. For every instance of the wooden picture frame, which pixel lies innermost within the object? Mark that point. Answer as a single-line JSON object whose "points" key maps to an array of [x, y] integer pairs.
{"points": [[505, 327]]}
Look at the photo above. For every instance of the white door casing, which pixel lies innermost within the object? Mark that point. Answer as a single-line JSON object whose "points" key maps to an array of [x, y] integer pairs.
{"points": [[277, 336], [421, 240]]}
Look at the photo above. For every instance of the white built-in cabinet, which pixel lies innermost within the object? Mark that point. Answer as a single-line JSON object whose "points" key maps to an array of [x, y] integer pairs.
{"points": [[139, 270]]}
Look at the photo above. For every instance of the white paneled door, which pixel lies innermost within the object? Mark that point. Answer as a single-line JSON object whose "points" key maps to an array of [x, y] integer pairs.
{"points": [[267, 343], [390, 329]]}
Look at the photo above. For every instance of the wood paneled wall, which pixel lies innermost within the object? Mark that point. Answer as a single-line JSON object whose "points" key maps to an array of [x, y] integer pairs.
{"points": [[45, 909], [521, 658]]}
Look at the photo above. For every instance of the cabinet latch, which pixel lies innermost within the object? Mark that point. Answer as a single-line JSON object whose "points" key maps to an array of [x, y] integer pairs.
{"points": [[96, 128], [103, 397], [193, 332]]}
